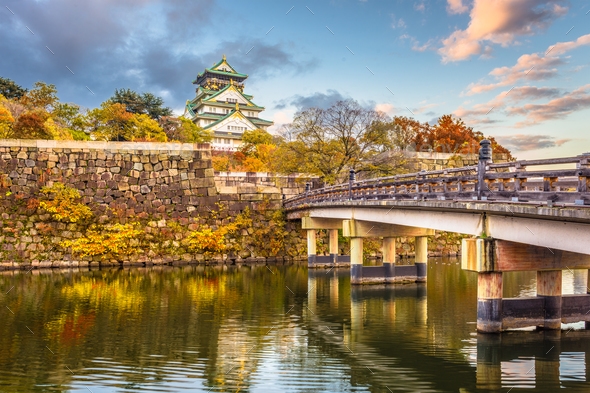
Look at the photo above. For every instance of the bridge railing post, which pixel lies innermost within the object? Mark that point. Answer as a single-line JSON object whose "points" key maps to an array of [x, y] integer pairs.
{"points": [[307, 189], [351, 179], [485, 157]]}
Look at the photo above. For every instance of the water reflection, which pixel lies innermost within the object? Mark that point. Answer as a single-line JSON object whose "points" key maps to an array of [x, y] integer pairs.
{"points": [[284, 329]]}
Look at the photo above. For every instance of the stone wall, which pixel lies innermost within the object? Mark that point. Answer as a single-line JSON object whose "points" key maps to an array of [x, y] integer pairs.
{"points": [[287, 186], [167, 187], [418, 161]]}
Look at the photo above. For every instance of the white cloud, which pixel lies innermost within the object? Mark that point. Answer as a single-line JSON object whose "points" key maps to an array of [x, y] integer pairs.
{"points": [[499, 22], [280, 118], [388, 109], [533, 67], [558, 108], [456, 7]]}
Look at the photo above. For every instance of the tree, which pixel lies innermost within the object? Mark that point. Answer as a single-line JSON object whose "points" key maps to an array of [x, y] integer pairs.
{"points": [[180, 129], [251, 139], [31, 125], [10, 89], [451, 135], [146, 103], [145, 129], [42, 97], [6, 123], [331, 141], [70, 122], [110, 122], [404, 130]]}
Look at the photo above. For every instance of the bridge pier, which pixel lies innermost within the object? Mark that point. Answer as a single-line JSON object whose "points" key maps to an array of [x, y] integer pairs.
{"points": [[356, 260], [421, 260], [389, 272], [388, 251], [333, 241], [548, 310], [311, 247], [312, 224], [489, 302], [549, 289]]}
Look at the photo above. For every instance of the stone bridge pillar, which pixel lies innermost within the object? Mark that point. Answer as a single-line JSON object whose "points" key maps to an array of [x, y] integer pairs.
{"points": [[489, 302], [311, 247], [356, 230], [549, 288], [388, 252], [548, 310], [356, 260], [421, 249], [333, 245]]}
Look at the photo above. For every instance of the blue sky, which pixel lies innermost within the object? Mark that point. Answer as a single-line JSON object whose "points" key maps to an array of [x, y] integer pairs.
{"points": [[525, 60]]}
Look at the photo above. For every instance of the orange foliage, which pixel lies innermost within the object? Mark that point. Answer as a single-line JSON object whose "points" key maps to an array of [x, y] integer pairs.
{"points": [[451, 135], [31, 125]]}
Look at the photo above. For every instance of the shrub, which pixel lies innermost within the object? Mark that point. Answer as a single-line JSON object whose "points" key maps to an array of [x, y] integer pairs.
{"points": [[207, 241], [108, 242], [64, 205]]}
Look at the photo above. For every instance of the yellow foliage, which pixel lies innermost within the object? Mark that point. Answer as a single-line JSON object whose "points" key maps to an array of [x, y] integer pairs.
{"points": [[6, 122], [64, 205], [207, 241], [111, 242]]}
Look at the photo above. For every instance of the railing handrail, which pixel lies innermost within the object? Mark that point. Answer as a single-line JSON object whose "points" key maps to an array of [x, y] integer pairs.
{"points": [[433, 177]]}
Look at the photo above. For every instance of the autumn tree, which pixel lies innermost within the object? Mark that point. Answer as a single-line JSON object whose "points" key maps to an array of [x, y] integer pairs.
{"points": [[451, 135], [9, 89], [329, 142], [180, 129], [6, 123], [31, 125], [70, 122], [42, 97]]}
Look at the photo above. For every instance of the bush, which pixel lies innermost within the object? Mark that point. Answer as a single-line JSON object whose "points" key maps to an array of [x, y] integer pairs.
{"points": [[207, 241], [110, 242], [64, 205]]}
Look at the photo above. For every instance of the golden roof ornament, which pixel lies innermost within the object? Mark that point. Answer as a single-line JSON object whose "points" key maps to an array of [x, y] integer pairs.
{"points": [[237, 107], [224, 57]]}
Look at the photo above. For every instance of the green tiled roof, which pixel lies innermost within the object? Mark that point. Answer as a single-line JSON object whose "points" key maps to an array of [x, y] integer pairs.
{"points": [[221, 73], [225, 117], [242, 94]]}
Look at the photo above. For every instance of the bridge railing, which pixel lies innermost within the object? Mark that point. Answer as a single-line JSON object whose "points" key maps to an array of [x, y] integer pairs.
{"points": [[512, 182]]}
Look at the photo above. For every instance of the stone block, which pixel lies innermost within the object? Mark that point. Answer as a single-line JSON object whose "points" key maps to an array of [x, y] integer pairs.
{"points": [[251, 197]]}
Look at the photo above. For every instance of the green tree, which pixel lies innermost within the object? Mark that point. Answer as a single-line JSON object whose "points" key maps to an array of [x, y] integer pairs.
{"points": [[146, 103], [10, 89], [69, 118], [42, 97], [251, 139], [180, 129]]}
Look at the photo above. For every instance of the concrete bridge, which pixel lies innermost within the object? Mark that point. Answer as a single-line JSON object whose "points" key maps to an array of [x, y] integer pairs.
{"points": [[523, 215]]}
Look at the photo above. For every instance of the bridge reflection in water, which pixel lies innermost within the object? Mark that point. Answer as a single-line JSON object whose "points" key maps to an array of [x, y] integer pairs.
{"points": [[419, 336]]}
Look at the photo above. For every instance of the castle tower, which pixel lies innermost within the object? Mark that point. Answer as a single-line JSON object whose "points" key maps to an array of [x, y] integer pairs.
{"points": [[222, 106]]}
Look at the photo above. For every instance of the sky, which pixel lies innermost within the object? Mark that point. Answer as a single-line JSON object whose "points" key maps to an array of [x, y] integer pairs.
{"points": [[513, 69]]}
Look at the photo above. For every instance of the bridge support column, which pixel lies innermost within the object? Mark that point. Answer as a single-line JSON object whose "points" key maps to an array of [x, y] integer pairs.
{"points": [[388, 251], [311, 247], [489, 302], [549, 288], [421, 248], [334, 245], [356, 260]]}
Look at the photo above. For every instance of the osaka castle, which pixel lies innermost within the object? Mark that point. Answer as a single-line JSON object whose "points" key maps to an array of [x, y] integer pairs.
{"points": [[222, 107]]}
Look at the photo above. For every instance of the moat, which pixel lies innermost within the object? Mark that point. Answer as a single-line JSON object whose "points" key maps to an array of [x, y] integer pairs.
{"points": [[272, 329]]}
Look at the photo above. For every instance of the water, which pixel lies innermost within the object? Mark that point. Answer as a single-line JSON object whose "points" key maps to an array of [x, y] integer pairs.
{"points": [[276, 329]]}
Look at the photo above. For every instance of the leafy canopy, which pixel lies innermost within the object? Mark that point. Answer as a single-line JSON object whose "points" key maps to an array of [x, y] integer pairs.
{"points": [[10, 90], [141, 104]]}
